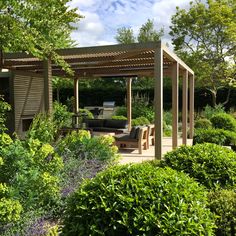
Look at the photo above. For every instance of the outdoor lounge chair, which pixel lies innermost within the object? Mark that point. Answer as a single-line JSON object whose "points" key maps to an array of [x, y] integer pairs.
{"points": [[137, 138], [151, 135]]}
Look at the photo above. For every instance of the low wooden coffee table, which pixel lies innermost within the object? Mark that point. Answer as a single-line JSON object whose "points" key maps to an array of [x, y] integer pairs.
{"points": [[100, 133]]}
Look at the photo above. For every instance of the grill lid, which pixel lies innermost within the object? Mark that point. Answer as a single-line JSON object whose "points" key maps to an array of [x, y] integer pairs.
{"points": [[108, 104]]}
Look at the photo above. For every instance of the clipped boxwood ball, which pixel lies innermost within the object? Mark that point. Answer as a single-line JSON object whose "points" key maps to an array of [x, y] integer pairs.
{"points": [[138, 199], [210, 164], [224, 121]]}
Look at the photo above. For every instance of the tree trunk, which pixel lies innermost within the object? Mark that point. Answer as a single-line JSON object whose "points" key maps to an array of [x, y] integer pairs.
{"points": [[213, 96], [227, 98], [1, 59]]}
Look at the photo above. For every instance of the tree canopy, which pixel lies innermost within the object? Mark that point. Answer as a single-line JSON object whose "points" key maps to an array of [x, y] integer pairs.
{"points": [[205, 37], [38, 27]]}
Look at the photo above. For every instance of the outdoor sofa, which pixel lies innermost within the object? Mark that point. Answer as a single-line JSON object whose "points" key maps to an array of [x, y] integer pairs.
{"points": [[107, 125]]}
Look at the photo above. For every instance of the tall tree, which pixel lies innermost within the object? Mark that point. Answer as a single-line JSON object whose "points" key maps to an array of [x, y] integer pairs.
{"points": [[38, 27], [205, 37], [148, 32], [125, 35]]}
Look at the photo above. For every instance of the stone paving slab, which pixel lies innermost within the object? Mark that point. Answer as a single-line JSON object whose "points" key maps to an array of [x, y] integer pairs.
{"points": [[132, 155]]}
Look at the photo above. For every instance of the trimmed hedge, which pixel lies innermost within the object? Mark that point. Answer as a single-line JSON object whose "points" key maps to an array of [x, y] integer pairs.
{"points": [[223, 204], [217, 136], [140, 121], [224, 121], [203, 124], [210, 164], [138, 199]]}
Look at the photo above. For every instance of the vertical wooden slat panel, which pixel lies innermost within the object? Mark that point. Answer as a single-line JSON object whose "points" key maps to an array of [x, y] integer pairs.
{"points": [[175, 103], [191, 106], [185, 107], [158, 101], [129, 102]]}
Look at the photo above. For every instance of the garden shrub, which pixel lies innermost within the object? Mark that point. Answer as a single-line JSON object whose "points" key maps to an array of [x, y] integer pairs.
{"points": [[209, 111], [138, 200], [61, 116], [4, 108], [140, 121], [86, 113], [119, 118], [210, 164], [82, 146], [31, 168], [223, 204], [224, 121], [167, 129], [42, 128], [203, 124], [10, 209], [216, 136]]}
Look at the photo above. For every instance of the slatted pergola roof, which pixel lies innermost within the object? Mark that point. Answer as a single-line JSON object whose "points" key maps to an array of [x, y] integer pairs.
{"points": [[130, 60], [100, 61]]}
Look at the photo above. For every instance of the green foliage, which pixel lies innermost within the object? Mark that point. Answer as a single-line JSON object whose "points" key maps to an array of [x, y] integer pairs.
{"points": [[217, 136], [10, 209], [31, 168], [61, 116], [224, 121], [38, 27], [203, 124], [167, 129], [147, 33], [209, 111], [86, 113], [82, 146], [119, 118], [42, 128], [4, 108], [196, 32], [223, 204], [138, 200], [140, 121], [167, 117], [125, 35], [210, 164]]}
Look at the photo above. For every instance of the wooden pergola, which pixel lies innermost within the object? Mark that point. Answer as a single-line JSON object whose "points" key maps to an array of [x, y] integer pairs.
{"points": [[152, 59]]}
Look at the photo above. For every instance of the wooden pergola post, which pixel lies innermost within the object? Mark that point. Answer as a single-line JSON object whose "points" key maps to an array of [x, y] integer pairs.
{"points": [[191, 106], [129, 102], [175, 103], [76, 96], [47, 66], [185, 107], [158, 101]]}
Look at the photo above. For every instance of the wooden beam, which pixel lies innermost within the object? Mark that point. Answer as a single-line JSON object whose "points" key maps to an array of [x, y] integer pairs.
{"points": [[76, 102], [191, 106], [129, 102], [185, 107], [158, 102], [175, 103], [48, 85]]}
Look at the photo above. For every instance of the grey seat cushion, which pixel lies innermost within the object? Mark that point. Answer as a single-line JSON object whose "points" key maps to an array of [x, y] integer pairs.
{"points": [[94, 123], [121, 124], [124, 137]]}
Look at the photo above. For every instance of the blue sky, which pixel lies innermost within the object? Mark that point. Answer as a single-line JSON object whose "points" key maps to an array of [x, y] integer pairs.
{"points": [[104, 17]]}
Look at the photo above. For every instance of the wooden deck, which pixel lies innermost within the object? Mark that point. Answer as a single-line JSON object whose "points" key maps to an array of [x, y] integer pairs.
{"points": [[133, 156]]}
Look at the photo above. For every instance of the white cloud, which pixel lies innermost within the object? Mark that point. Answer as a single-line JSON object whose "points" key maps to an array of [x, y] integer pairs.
{"points": [[103, 18]]}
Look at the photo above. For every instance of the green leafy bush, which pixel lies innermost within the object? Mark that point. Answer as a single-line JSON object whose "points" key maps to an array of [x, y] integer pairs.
{"points": [[140, 121], [82, 146], [223, 204], [216, 136], [224, 121], [31, 168], [10, 209], [42, 128], [167, 117], [61, 116], [203, 124], [210, 164], [138, 200], [209, 111], [88, 114], [4, 108], [119, 118]]}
